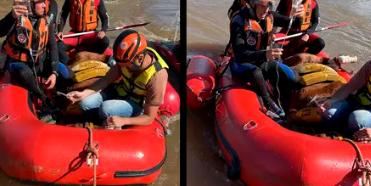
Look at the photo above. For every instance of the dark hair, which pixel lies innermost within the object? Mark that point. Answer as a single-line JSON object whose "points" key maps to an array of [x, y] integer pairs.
{"points": [[236, 6]]}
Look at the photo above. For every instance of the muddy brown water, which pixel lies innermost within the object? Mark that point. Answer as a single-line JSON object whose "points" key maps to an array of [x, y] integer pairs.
{"points": [[207, 34], [163, 16]]}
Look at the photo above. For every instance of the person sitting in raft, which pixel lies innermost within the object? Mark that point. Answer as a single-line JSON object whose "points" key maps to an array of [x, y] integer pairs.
{"points": [[84, 16], [355, 109], [28, 38], [279, 20], [251, 34], [141, 90], [306, 24]]}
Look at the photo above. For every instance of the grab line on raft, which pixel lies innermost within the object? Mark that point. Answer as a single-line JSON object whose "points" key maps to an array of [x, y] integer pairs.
{"points": [[360, 164]]}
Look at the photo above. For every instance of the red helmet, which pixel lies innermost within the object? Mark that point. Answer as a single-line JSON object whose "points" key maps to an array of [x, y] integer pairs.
{"points": [[128, 45]]}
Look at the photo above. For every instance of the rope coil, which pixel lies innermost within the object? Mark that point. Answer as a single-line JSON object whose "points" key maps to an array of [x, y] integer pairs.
{"points": [[92, 155], [361, 165]]}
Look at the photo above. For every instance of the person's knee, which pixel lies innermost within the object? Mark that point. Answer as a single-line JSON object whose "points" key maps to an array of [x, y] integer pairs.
{"points": [[91, 102], [337, 110], [359, 119], [115, 108], [105, 41], [320, 43]]}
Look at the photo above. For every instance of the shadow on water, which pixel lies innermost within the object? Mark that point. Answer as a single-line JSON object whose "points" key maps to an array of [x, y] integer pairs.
{"points": [[204, 162]]}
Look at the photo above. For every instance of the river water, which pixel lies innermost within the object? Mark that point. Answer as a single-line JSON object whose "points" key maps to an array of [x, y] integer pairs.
{"points": [[207, 34], [164, 18]]}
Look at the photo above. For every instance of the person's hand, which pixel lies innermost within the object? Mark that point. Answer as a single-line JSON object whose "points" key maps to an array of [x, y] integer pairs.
{"points": [[51, 81], [305, 37], [19, 9], [299, 12], [363, 135], [75, 96], [115, 122], [101, 34], [60, 36], [326, 105], [274, 53]]}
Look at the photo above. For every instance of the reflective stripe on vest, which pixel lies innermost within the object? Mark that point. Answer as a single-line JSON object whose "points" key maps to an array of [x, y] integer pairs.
{"points": [[308, 8], [135, 88], [255, 35], [18, 44], [84, 17], [364, 96]]}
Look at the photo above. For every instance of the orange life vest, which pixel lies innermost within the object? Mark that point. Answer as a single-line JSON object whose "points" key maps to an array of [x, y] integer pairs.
{"points": [[84, 17], [255, 32], [47, 6], [309, 5], [18, 46]]}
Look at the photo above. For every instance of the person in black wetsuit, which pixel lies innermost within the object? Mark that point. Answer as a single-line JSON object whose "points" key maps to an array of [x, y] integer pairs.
{"points": [[251, 35], [28, 37], [84, 16], [309, 42]]}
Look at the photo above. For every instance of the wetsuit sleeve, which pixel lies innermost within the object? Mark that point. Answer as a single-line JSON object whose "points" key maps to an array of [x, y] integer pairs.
{"points": [[6, 24], [103, 15], [280, 20], [245, 53], [53, 12], [314, 20], [52, 45], [64, 14], [282, 7]]}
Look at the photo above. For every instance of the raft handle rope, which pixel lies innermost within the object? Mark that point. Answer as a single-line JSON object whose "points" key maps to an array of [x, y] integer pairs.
{"points": [[250, 125], [92, 154], [361, 165], [4, 118], [3, 85]]}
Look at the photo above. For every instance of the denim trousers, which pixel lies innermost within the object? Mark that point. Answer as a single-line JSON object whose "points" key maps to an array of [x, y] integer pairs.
{"points": [[107, 103], [349, 111]]}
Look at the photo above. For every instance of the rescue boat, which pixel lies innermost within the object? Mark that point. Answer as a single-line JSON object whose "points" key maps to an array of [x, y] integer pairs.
{"points": [[259, 151], [36, 151]]}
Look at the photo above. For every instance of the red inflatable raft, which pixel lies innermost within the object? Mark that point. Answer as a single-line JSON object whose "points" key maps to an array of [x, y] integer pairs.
{"points": [[33, 150], [259, 151]]}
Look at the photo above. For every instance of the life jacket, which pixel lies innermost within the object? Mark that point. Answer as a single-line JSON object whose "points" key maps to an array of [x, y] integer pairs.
{"points": [[364, 96], [312, 73], [135, 88], [84, 17], [89, 69], [309, 6], [19, 42], [256, 33]]}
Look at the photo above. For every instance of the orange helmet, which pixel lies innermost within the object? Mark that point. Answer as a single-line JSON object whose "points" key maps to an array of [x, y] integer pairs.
{"points": [[128, 45]]}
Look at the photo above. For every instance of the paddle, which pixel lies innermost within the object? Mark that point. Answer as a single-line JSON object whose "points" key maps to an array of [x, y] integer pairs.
{"points": [[110, 29], [318, 30]]}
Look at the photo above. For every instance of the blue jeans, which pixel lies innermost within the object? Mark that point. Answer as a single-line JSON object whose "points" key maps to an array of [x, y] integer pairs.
{"points": [[348, 110], [107, 103]]}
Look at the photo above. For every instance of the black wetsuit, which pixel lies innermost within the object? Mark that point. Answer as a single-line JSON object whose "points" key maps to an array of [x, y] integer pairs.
{"points": [[250, 63]]}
